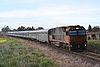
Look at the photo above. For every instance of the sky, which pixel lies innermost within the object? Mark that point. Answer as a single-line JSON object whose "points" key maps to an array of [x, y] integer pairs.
{"points": [[49, 13]]}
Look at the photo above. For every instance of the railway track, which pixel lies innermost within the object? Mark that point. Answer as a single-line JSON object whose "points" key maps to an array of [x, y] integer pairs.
{"points": [[86, 55]]}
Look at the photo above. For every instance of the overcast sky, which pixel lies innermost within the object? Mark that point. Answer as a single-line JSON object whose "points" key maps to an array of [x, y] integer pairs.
{"points": [[49, 13]]}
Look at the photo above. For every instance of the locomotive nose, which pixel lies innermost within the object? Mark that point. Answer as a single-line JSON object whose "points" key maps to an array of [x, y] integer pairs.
{"points": [[77, 39]]}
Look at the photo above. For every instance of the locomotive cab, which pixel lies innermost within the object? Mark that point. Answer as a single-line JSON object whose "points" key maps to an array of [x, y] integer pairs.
{"points": [[76, 38]]}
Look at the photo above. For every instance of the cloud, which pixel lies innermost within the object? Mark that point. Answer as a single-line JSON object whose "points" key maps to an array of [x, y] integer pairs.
{"points": [[51, 11], [22, 1], [49, 17]]}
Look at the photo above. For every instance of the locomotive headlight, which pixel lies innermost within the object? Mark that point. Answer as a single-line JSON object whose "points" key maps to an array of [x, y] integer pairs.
{"points": [[85, 44], [77, 28], [71, 46]]}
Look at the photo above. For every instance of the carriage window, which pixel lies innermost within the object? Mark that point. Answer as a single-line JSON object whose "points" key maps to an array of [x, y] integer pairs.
{"points": [[81, 32], [72, 33]]}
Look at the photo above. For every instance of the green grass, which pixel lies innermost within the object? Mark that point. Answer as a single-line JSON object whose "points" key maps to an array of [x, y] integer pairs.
{"points": [[94, 45], [14, 53]]}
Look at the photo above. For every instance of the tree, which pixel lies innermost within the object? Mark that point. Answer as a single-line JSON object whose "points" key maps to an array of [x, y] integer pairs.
{"points": [[14, 30], [6, 29], [22, 28], [33, 28], [39, 28], [90, 28], [28, 28]]}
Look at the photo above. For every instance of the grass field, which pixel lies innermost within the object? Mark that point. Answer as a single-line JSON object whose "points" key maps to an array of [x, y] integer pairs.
{"points": [[14, 53], [94, 45]]}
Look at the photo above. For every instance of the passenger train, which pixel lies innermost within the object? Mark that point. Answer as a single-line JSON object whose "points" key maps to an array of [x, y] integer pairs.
{"points": [[72, 38]]}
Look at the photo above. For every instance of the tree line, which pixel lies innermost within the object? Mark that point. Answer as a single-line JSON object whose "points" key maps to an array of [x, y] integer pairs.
{"points": [[94, 29], [21, 28]]}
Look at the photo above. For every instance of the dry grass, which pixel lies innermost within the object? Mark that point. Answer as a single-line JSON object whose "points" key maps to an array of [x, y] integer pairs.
{"points": [[14, 53]]}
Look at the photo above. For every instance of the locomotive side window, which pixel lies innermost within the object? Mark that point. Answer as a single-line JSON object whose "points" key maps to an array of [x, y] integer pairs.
{"points": [[67, 33], [53, 37]]}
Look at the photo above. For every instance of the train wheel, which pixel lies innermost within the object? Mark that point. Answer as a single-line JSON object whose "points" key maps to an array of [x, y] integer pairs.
{"points": [[65, 47]]}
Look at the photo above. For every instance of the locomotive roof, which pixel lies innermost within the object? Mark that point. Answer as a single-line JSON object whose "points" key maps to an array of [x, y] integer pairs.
{"points": [[67, 26], [45, 30], [70, 26]]}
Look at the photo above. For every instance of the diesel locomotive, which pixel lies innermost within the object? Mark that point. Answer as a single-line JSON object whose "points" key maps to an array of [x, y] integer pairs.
{"points": [[72, 38]]}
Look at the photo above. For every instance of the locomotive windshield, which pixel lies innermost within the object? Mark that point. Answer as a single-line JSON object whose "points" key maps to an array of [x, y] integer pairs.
{"points": [[81, 32], [78, 32], [72, 33]]}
